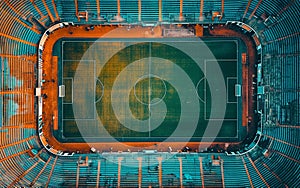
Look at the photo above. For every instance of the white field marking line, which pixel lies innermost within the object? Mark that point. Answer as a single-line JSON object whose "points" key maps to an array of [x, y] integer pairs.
{"points": [[102, 86], [141, 138], [149, 91], [205, 82], [69, 78], [77, 60], [146, 76], [205, 63], [94, 79], [238, 63], [237, 73], [62, 81], [141, 40], [227, 88], [197, 86], [78, 119], [94, 113], [136, 41]]}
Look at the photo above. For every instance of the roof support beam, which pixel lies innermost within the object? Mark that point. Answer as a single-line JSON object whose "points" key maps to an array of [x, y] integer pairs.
{"points": [[247, 172], [247, 8], [222, 172], [253, 12], [14, 155], [18, 142], [286, 156], [78, 172], [55, 10], [23, 174], [51, 172], [48, 11], [98, 173], [201, 171], [181, 18], [261, 177], [119, 170], [76, 9], [140, 171], [284, 142], [159, 10], [98, 8], [159, 171], [201, 10], [274, 174], [119, 8], [42, 170], [37, 8], [18, 40], [180, 171], [140, 10]]}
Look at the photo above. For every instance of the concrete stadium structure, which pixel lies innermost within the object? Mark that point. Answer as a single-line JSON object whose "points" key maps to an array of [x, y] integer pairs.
{"points": [[269, 158]]}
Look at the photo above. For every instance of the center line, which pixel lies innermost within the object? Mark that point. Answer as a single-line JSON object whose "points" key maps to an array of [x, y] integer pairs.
{"points": [[149, 90]]}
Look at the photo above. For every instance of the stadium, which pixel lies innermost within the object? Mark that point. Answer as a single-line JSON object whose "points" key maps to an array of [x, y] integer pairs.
{"points": [[149, 93]]}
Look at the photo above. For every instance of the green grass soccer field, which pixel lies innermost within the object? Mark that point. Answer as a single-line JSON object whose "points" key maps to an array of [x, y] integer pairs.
{"points": [[142, 90]]}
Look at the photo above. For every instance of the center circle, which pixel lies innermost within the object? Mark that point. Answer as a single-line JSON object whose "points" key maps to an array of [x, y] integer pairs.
{"points": [[150, 89]]}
